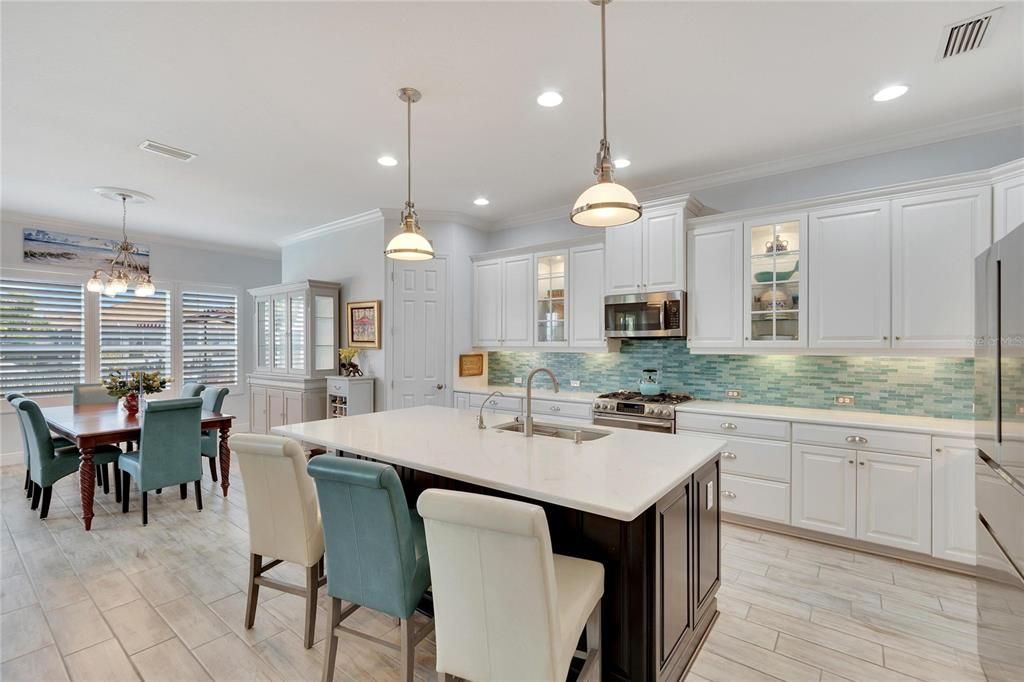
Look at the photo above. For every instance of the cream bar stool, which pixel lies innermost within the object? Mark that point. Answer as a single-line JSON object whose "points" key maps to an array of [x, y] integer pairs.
{"points": [[284, 519], [505, 607]]}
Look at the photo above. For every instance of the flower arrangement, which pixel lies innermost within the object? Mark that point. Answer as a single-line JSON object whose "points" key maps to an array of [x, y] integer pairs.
{"points": [[348, 367], [124, 383]]}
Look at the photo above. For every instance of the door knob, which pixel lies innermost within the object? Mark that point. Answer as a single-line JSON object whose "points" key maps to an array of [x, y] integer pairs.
{"points": [[440, 387]]}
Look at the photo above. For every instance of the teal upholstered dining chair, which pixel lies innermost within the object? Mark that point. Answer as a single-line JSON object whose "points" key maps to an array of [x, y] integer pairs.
{"points": [[58, 442], [192, 390], [96, 394], [213, 401], [376, 550], [168, 452], [49, 464]]}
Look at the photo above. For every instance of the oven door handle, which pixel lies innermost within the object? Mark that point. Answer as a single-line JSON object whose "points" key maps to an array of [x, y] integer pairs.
{"points": [[666, 425], [663, 309]]}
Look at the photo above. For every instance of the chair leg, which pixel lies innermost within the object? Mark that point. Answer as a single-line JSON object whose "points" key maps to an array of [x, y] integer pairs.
{"points": [[199, 495], [159, 490], [31, 486], [407, 655], [47, 492], [213, 468], [36, 492], [255, 561], [592, 667], [117, 483], [28, 477], [145, 509], [312, 585], [331, 646], [126, 486], [106, 479], [184, 490]]}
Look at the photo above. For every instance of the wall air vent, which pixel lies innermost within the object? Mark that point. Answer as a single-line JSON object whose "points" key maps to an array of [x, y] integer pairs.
{"points": [[967, 35], [167, 150]]}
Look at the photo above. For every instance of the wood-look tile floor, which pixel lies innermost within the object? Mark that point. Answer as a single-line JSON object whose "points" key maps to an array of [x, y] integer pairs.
{"points": [[166, 602]]}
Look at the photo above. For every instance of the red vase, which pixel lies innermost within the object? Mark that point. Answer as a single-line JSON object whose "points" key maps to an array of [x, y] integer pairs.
{"points": [[131, 403]]}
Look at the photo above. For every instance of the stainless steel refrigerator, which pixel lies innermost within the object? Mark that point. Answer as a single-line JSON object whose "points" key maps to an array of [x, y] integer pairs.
{"points": [[999, 465]]}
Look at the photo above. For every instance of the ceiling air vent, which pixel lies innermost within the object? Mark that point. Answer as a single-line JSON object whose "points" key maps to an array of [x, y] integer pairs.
{"points": [[967, 35], [167, 150]]}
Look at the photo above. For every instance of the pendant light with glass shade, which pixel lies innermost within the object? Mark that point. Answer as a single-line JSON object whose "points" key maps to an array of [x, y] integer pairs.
{"points": [[409, 244], [606, 203], [124, 269]]}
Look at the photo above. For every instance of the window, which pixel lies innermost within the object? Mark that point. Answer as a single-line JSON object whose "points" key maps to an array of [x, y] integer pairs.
{"points": [[135, 333], [209, 330], [42, 347]]}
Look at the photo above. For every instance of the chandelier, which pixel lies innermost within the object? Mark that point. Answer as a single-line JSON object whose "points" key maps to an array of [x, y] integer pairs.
{"points": [[125, 269]]}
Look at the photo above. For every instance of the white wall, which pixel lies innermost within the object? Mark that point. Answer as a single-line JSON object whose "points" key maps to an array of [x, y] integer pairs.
{"points": [[170, 261]]}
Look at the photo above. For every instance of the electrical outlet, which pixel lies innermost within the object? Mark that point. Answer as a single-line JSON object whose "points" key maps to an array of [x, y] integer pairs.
{"points": [[574, 383], [733, 393], [517, 380], [845, 400], [1020, 409]]}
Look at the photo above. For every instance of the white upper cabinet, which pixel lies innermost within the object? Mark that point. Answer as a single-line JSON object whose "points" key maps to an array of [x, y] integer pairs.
{"points": [[935, 238], [714, 289], [296, 327], [551, 269], [517, 300], [487, 308], [848, 269], [647, 255], [775, 289], [586, 296], [1007, 205]]}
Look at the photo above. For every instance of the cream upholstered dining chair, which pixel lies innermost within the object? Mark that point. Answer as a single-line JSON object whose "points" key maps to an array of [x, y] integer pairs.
{"points": [[505, 606], [284, 519]]}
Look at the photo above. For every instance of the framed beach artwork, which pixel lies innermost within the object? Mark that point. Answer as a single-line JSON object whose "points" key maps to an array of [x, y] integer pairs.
{"points": [[45, 247], [363, 324]]}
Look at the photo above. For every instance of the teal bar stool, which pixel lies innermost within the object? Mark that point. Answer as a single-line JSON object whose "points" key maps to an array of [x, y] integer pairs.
{"points": [[168, 452], [213, 401], [96, 394], [47, 463], [58, 442], [376, 551], [192, 390]]}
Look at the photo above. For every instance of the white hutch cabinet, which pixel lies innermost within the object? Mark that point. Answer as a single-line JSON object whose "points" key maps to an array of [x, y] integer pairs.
{"points": [[296, 348]]}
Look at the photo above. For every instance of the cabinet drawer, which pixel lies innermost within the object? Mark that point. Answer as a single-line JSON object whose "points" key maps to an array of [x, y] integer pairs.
{"points": [[733, 426], [555, 408], [753, 497], [917, 444], [498, 402], [758, 458], [338, 386]]}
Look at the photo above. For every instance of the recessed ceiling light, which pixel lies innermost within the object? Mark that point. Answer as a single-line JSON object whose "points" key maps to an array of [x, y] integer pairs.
{"points": [[890, 92], [387, 161], [621, 163], [481, 201], [549, 98]]}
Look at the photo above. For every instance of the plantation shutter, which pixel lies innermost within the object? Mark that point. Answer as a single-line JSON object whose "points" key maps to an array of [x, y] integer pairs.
{"points": [[42, 348], [135, 333], [209, 330]]}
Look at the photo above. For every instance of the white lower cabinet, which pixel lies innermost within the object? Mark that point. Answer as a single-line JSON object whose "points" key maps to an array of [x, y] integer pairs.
{"points": [[894, 500], [275, 403], [825, 489], [754, 497], [461, 401], [953, 509]]}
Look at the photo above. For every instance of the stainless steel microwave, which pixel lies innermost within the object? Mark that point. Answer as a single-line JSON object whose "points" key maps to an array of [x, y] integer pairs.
{"points": [[648, 315]]}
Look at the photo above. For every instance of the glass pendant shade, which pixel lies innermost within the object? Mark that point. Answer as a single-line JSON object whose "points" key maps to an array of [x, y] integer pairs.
{"points": [[409, 244], [95, 284], [605, 204], [145, 288]]}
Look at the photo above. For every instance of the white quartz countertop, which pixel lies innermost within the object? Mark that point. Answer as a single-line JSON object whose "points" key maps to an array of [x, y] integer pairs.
{"points": [[618, 476], [519, 391], [957, 428]]}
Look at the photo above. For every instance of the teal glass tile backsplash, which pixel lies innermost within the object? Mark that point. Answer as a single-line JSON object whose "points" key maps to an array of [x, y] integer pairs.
{"points": [[920, 386]]}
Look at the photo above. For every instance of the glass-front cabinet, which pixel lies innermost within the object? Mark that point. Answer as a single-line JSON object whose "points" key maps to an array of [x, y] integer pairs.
{"points": [[776, 289], [296, 329], [551, 298]]}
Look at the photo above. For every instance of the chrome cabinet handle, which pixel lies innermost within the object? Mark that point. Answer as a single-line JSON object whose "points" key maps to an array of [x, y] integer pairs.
{"points": [[862, 463], [556, 408], [729, 494], [860, 440], [850, 461], [728, 426], [493, 402], [728, 455]]}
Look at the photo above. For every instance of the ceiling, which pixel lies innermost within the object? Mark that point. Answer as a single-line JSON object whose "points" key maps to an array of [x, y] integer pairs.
{"points": [[288, 105]]}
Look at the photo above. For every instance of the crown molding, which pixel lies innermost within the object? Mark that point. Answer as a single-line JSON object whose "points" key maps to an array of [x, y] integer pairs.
{"points": [[95, 230], [940, 133], [382, 215]]}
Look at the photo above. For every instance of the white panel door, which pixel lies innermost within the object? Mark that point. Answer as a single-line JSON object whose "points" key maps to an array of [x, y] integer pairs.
{"points": [[714, 293], [664, 249], [825, 489], [894, 500], [586, 296], [420, 323], [848, 270], [487, 303], [1007, 206], [517, 301], [935, 238], [623, 258], [954, 517]]}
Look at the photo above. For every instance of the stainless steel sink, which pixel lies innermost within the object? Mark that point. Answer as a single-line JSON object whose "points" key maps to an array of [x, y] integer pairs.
{"points": [[554, 431]]}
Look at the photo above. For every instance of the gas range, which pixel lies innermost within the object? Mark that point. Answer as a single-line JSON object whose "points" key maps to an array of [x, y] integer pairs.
{"points": [[630, 409]]}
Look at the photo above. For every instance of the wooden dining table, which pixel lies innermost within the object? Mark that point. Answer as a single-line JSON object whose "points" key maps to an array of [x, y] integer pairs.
{"points": [[89, 426]]}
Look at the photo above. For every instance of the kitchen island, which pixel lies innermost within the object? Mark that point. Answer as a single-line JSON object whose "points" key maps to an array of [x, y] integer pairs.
{"points": [[643, 504]]}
